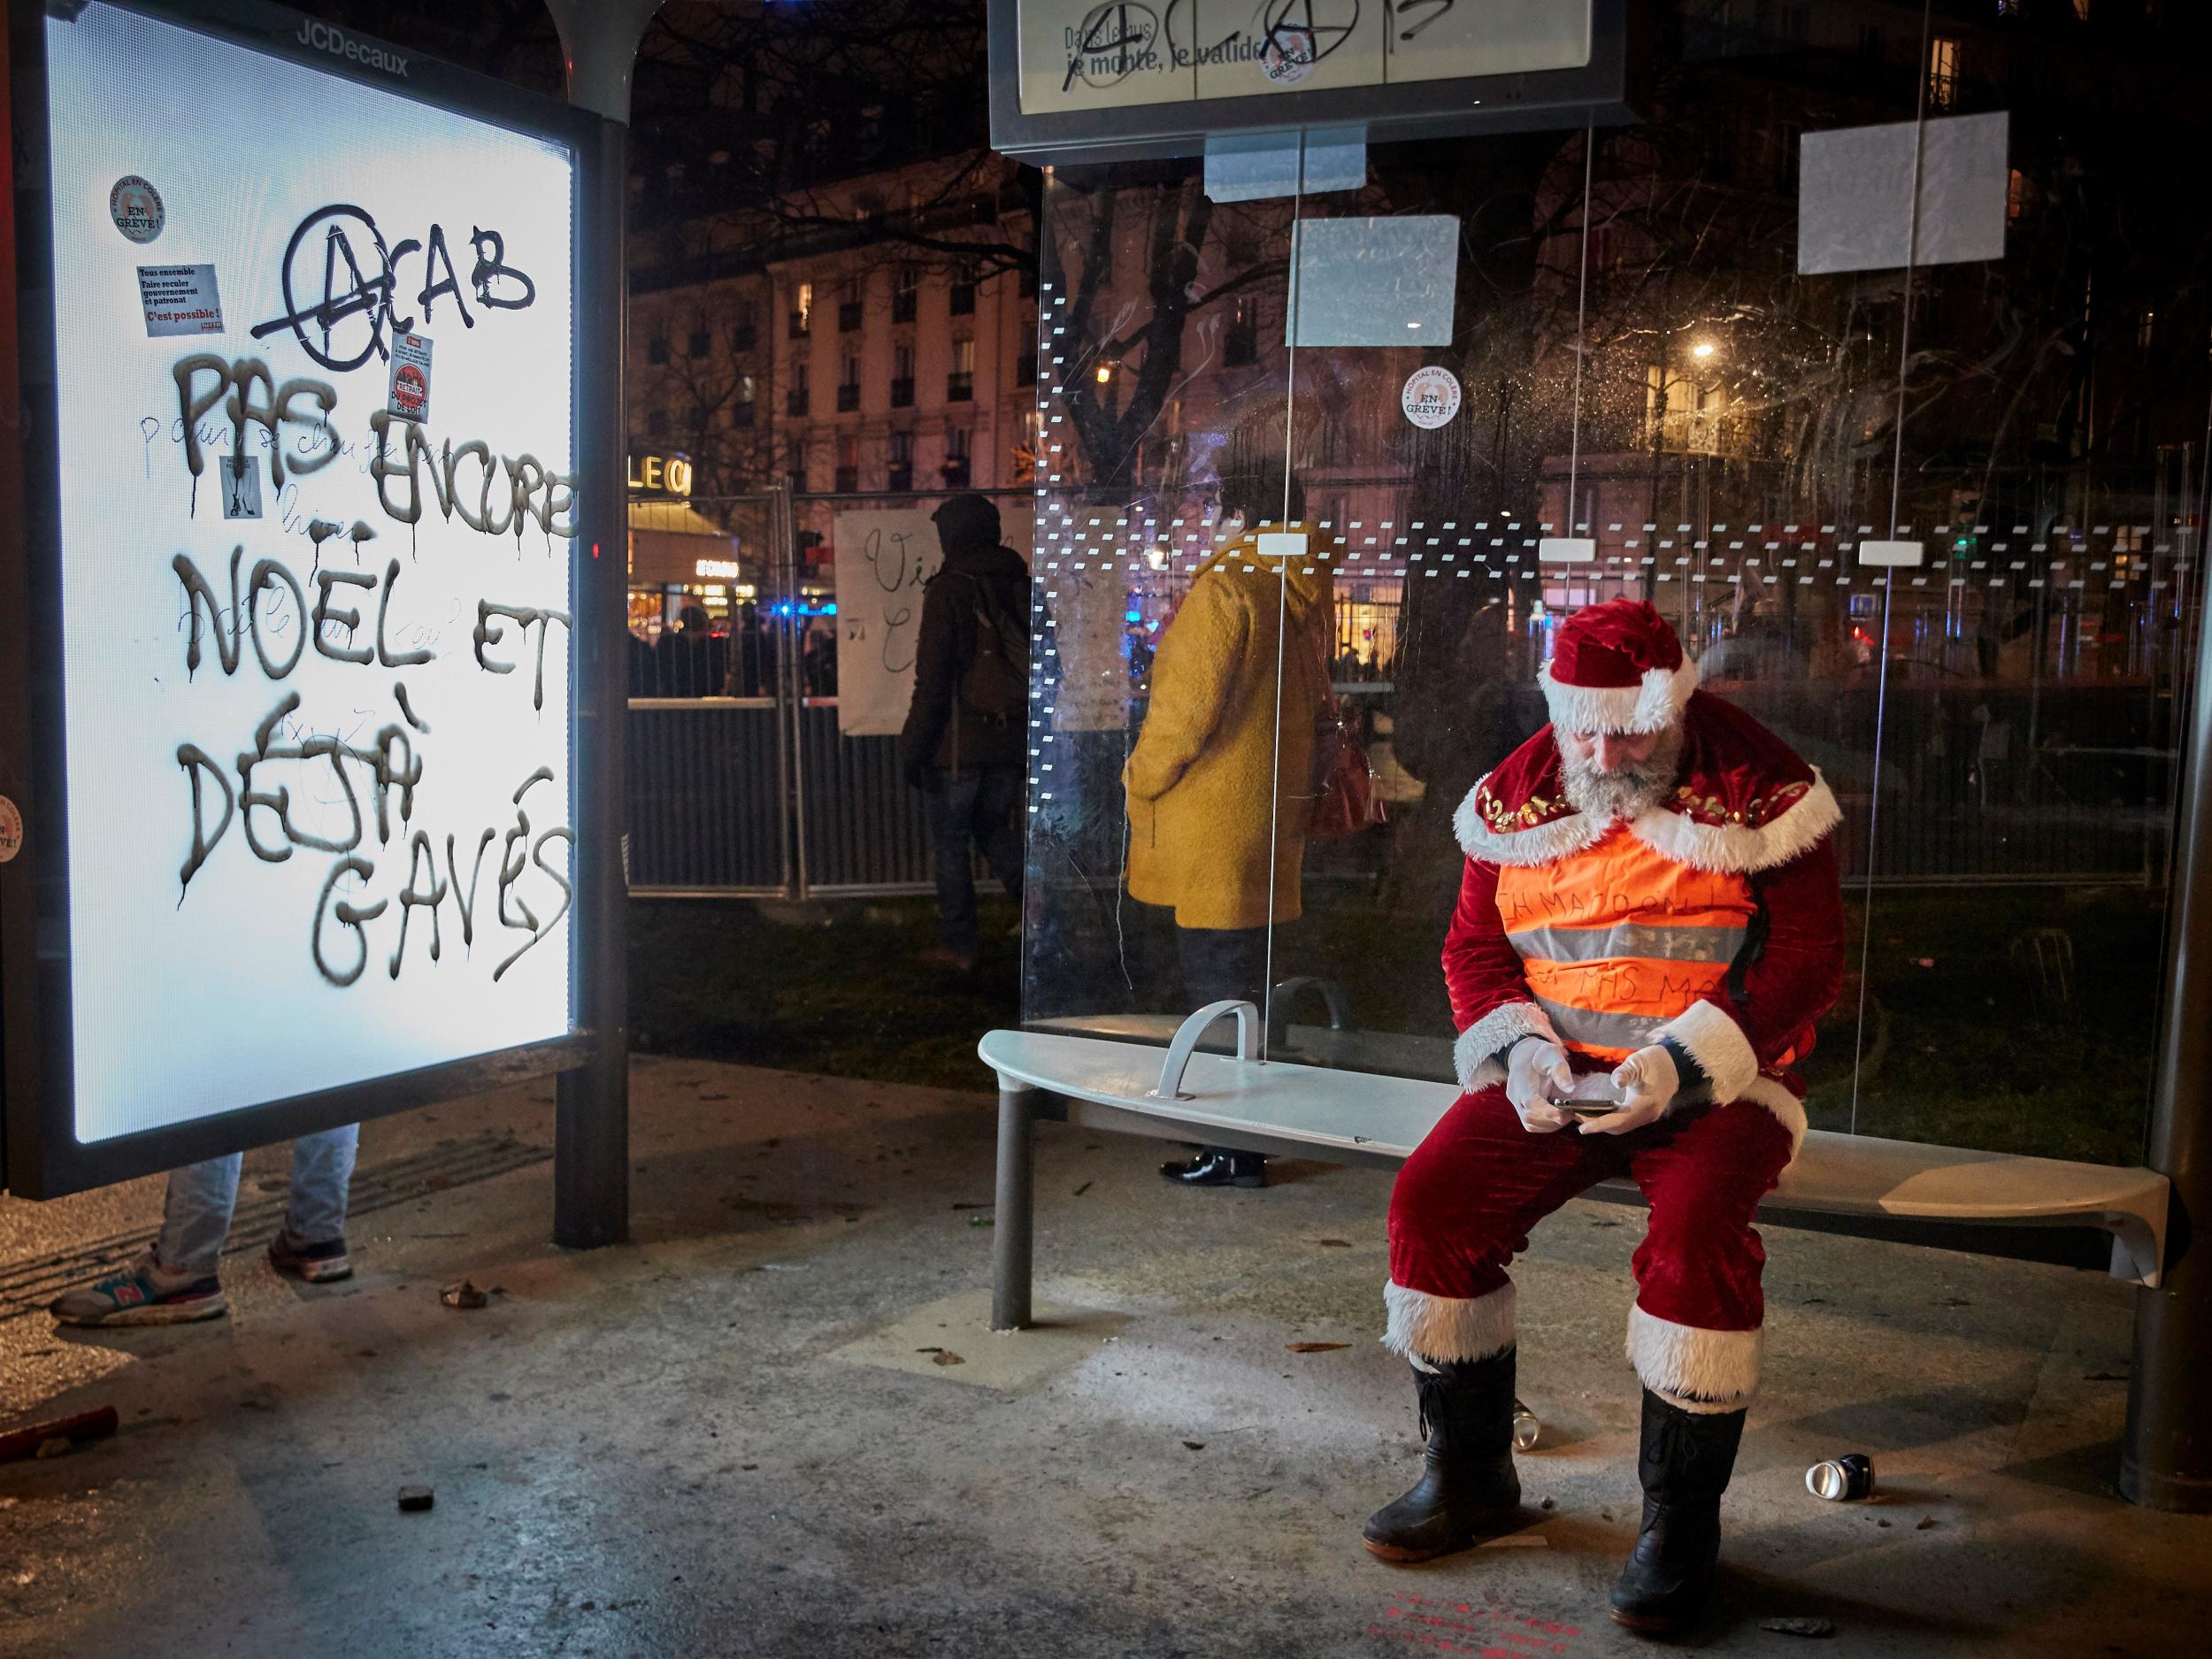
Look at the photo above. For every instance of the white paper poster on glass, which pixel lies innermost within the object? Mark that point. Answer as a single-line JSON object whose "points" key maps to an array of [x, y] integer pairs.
{"points": [[1856, 196], [315, 656]]}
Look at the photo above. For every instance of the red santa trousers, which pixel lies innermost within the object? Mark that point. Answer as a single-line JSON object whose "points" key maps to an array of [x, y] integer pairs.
{"points": [[1467, 1198]]}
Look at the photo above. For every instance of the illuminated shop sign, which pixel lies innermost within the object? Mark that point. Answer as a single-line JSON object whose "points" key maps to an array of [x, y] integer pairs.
{"points": [[666, 477]]}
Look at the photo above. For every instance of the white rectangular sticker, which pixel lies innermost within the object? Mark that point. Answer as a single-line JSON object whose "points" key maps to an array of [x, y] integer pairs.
{"points": [[410, 391], [240, 476], [1253, 166], [1383, 281], [179, 299], [1891, 552], [1566, 549], [1856, 201]]}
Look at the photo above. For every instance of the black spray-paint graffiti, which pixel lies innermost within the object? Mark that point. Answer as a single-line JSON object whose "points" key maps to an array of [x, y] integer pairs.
{"points": [[300, 788], [511, 869], [393, 772], [490, 633], [273, 409], [530, 490], [206, 616], [518, 853], [350, 289]]}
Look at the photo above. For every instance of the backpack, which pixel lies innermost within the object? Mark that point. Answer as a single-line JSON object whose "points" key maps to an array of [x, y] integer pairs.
{"points": [[995, 681]]}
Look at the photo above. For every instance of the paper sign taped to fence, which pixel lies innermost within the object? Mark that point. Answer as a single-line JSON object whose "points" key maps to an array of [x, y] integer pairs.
{"points": [[883, 558], [179, 299]]}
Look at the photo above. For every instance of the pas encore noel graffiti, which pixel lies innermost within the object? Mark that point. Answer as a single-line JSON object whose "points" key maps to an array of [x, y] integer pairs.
{"points": [[270, 610]]}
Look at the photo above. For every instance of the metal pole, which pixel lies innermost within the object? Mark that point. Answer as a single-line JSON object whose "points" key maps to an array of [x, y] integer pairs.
{"points": [[791, 691], [2166, 1456], [1013, 1212], [591, 1130], [795, 804]]}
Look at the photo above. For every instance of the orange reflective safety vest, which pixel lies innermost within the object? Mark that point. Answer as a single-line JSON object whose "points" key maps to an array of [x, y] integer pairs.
{"points": [[1618, 939]]}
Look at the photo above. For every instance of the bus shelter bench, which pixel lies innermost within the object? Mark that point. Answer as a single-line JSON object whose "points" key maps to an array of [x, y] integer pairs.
{"points": [[1178, 1092]]}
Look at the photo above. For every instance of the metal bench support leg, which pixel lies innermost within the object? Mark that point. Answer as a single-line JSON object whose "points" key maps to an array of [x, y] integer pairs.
{"points": [[2166, 1456], [1014, 1216]]}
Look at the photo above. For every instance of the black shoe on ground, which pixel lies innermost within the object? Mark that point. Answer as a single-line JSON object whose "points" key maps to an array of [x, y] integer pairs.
{"points": [[1685, 1465], [1217, 1166], [1468, 1489]]}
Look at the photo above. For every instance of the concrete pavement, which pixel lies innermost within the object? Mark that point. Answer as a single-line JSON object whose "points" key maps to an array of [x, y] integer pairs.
{"points": [[774, 1426]]}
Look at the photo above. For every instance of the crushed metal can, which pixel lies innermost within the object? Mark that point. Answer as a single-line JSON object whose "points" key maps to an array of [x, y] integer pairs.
{"points": [[1842, 1479], [1526, 1430]]}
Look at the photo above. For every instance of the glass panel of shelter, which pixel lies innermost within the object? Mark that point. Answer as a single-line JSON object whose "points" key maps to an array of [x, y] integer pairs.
{"points": [[2051, 462], [1638, 361], [706, 582], [1156, 619]]}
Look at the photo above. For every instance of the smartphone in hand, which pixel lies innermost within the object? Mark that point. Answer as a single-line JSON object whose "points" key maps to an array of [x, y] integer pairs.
{"points": [[1593, 1095]]}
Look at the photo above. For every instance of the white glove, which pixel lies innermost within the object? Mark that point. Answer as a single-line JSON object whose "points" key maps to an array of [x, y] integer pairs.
{"points": [[1535, 1070], [1649, 1081]]}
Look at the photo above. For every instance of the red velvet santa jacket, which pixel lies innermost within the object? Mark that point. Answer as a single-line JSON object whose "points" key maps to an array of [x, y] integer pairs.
{"points": [[1714, 918]]}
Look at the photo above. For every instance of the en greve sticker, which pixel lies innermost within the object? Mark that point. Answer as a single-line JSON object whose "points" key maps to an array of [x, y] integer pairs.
{"points": [[1432, 398]]}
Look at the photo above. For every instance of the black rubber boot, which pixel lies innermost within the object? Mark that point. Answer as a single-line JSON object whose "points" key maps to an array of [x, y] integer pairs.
{"points": [[1217, 1166], [1687, 1459], [1467, 1489]]}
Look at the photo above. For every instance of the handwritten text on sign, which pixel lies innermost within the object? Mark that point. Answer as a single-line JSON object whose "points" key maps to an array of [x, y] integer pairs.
{"points": [[317, 654], [883, 558]]}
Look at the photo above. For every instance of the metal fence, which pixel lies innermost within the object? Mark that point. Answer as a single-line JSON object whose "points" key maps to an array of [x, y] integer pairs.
{"points": [[759, 794]]}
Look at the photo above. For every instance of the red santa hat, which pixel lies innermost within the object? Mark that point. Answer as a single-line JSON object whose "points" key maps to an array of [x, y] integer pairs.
{"points": [[1617, 667]]}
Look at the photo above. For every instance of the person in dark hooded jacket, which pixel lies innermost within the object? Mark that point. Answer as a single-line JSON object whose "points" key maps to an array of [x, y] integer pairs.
{"points": [[965, 745]]}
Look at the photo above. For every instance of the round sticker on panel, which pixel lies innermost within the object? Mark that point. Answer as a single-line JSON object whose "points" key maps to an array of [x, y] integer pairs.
{"points": [[410, 392], [10, 830], [1432, 398], [135, 207], [1289, 58]]}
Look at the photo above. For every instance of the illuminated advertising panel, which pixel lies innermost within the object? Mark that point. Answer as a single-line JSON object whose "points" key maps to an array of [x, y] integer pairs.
{"points": [[316, 470]]}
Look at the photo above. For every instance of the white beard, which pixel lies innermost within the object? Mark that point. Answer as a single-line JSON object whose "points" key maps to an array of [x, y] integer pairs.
{"points": [[1628, 791]]}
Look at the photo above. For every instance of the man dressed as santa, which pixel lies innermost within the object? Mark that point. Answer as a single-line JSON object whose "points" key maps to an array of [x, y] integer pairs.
{"points": [[1650, 913]]}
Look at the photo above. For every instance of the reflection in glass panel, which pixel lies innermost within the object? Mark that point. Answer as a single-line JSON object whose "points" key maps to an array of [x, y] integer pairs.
{"points": [[1637, 360], [1166, 625]]}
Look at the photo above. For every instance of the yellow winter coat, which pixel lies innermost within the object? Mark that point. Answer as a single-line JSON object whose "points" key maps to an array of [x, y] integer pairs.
{"points": [[1205, 767]]}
